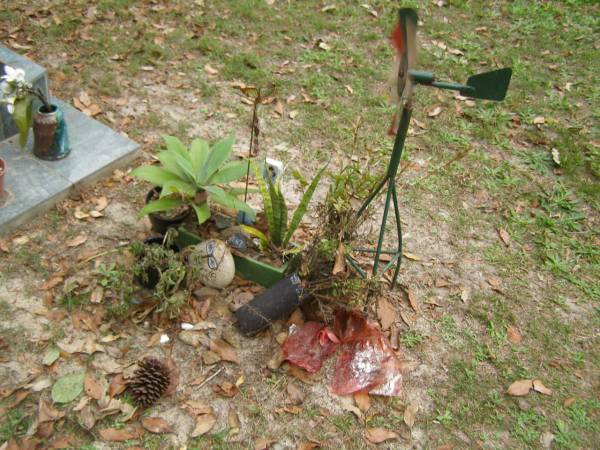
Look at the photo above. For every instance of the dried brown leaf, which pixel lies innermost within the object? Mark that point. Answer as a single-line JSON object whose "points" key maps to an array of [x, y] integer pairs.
{"points": [[119, 435], [362, 400], [54, 281], [386, 313], [412, 298], [97, 295], [226, 389], [47, 413], [156, 425], [77, 241], [504, 236], [539, 387], [263, 444], [513, 334], [296, 395], [410, 413], [117, 385], [210, 70], [340, 260], [520, 388], [568, 402], [379, 435], [224, 350], [435, 111], [204, 424], [93, 387]]}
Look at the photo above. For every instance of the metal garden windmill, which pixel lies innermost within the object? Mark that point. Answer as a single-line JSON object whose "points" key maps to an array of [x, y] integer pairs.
{"points": [[488, 86]]}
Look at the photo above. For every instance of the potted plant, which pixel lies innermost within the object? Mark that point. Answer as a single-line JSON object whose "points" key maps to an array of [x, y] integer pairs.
{"points": [[50, 138], [193, 178]]}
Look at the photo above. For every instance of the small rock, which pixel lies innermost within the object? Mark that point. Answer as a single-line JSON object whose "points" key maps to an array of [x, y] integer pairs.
{"points": [[192, 338], [209, 358], [523, 404], [546, 439], [276, 361]]}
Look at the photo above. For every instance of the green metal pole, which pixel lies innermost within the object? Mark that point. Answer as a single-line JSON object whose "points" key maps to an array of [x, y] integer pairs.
{"points": [[391, 176], [372, 195], [399, 231]]}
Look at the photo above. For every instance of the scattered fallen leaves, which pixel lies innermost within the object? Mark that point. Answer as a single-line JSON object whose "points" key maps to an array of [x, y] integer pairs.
{"points": [[263, 444], [339, 265], [410, 414], [539, 120], [538, 386], [52, 354], [119, 435], [435, 111], [412, 298], [54, 281], [520, 388], [386, 313], [211, 71], [117, 385], [204, 424], [224, 350], [504, 236], [156, 425], [379, 435], [77, 241], [568, 402], [47, 413], [226, 389], [93, 387], [97, 295], [513, 334], [68, 388], [296, 395], [362, 400]]}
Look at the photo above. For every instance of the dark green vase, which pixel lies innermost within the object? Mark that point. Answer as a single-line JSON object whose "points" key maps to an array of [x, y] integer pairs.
{"points": [[50, 138]]}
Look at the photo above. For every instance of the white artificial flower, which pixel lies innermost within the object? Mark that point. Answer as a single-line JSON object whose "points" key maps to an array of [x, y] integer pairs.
{"points": [[13, 75]]}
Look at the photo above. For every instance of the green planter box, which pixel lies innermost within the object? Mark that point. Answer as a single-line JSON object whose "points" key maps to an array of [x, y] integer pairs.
{"points": [[264, 274]]}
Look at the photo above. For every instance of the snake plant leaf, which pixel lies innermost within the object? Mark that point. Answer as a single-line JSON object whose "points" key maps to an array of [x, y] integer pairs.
{"points": [[169, 161], [283, 212], [264, 192], [231, 171], [275, 232], [264, 241], [177, 187], [174, 145], [22, 117], [202, 212], [162, 204], [229, 201], [219, 153], [198, 154], [302, 207], [154, 174]]}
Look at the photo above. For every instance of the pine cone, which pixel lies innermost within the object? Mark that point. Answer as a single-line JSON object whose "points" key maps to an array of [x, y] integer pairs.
{"points": [[149, 382]]}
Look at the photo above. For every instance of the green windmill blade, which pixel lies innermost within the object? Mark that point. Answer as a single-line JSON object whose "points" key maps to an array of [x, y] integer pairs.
{"points": [[490, 85]]}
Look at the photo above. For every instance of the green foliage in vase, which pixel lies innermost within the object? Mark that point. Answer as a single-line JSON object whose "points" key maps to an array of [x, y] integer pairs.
{"points": [[196, 177]]}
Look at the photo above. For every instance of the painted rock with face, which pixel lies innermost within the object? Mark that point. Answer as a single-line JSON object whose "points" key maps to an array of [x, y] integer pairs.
{"points": [[211, 263]]}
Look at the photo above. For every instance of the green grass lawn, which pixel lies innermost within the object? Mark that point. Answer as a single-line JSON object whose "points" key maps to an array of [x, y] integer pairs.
{"points": [[490, 166]]}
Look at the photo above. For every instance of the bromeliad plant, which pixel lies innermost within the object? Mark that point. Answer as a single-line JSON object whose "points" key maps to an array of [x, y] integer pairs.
{"points": [[276, 211], [17, 94], [194, 177]]}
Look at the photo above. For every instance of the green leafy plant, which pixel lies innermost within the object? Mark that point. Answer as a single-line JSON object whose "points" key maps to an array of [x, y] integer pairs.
{"points": [[275, 207], [194, 177]]}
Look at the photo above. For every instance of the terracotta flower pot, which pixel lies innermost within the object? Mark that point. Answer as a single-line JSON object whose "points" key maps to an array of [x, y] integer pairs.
{"points": [[50, 138], [2, 172]]}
